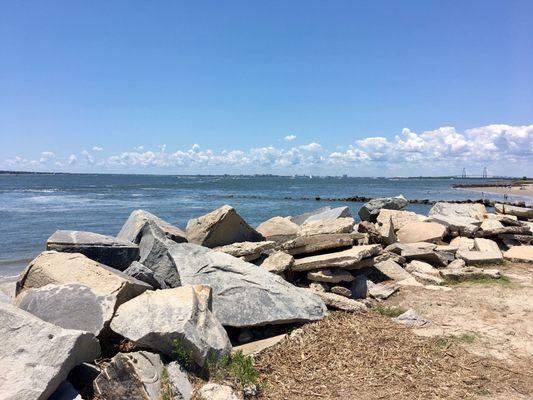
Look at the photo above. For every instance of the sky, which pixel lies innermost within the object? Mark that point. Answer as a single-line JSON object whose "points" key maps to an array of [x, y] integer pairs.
{"points": [[364, 88]]}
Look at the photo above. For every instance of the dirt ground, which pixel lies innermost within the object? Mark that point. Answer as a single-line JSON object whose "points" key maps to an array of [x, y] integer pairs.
{"points": [[479, 344]]}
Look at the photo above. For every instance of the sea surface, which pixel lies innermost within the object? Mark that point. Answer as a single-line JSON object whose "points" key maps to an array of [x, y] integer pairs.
{"points": [[33, 206]]}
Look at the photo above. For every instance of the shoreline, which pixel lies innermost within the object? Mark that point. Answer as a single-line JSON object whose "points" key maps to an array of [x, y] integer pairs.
{"points": [[508, 190]]}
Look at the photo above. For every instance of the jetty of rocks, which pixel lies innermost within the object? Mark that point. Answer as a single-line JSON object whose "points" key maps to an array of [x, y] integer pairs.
{"points": [[101, 317]]}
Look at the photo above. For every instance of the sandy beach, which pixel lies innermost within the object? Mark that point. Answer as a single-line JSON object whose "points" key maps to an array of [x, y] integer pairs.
{"points": [[523, 190]]}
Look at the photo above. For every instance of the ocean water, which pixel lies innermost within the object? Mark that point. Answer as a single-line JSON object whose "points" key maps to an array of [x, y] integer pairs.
{"points": [[32, 207]]}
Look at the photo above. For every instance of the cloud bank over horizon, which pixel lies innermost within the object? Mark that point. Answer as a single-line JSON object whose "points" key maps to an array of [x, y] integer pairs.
{"points": [[505, 149]]}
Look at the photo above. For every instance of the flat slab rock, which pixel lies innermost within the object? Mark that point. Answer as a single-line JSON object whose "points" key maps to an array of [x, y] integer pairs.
{"points": [[278, 227], [138, 375], [479, 257], [475, 211], [321, 227], [458, 273], [347, 259], [51, 267], [132, 228], [248, 251], [412, 319], [114, 252], [330, 276], [339, 302], [277, 262], [157, 319], [521, 212], [313, 244], [221, 227], [244, 294], [392, 270], [421, 232], [520, 253], [37, 356], [323, 213], [463, 226]]}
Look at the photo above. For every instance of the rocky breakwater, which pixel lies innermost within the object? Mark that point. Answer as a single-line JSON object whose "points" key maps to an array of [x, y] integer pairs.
{"points": [[78, 326]]}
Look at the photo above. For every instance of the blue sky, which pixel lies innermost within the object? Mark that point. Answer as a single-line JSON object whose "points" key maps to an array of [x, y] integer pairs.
{"points": [[363, 88]]}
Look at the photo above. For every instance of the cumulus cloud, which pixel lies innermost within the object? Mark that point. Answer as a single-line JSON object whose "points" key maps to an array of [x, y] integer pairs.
{"points": [[97, 148], [46, 156], [289, 138], [87, 157], [444, 148]]}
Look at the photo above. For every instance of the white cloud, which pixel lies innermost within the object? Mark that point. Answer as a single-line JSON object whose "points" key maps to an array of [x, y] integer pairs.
{"points": [[311, 147], [97, 148], [443, 150], [289, 138], [46, 156], [87, 156]]}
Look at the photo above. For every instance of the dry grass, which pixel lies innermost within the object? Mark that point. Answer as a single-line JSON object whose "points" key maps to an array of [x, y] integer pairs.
{"points": [[348, 356]]}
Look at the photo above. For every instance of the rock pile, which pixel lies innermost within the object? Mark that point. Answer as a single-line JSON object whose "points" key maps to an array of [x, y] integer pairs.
{"points": [[161, 291]]}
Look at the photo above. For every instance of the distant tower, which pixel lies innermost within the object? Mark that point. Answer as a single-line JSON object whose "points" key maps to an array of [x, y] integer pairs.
{"points": [[485, 174], [464, 173]]}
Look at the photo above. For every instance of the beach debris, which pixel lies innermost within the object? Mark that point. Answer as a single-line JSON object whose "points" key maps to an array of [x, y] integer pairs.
{"points": [[247, 251], [132, 228], [141, 375], [221, 227], [70, 306], [519, 253], [36, 355], [411, 319], [113, 252], [179, 317], [421, 232], [370, 210], [322, 214], [214, 391], [473, 210]]}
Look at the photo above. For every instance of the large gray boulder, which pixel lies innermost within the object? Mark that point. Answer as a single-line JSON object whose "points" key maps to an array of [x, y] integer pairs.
{"points": [[70, 306], [475, 211], [154, 255], [221, 227], [51, 267], [244, 294], [114, 252], [138, 271], [313, 244], [370, 211], [163, 319], [141, 375], [300, 219], [36, 356], [132, 228]]}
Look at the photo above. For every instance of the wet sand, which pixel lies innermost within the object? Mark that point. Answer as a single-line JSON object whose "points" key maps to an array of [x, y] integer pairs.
{"points": [[524, 190]]}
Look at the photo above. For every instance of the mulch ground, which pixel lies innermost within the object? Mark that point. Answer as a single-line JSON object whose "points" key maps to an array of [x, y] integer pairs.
{"points": [[349, 356]]}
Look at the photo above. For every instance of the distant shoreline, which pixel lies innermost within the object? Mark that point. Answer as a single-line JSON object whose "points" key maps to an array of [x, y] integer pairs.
{"points": [[515, 190], [502, 178]]}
